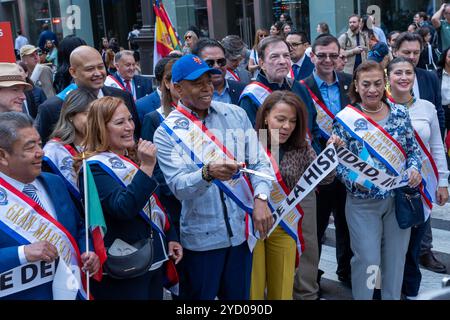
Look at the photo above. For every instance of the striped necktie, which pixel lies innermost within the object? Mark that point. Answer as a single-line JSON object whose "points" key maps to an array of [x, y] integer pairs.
{"points": [[31, 191]]}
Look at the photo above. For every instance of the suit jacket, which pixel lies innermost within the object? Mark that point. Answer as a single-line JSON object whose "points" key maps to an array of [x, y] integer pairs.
{"points": [[66, 214], [236, 89], [430, 90], [344, 81], [142, 85], [35, 98], [48, 112], [251, 108], [305, 70], [148, 104]]}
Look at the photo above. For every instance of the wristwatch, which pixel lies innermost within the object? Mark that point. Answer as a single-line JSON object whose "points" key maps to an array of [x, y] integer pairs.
{"points": [[262, 196]]}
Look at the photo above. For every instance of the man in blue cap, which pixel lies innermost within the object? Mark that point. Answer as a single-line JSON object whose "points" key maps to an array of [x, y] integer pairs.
{"points": [[198, 152]]}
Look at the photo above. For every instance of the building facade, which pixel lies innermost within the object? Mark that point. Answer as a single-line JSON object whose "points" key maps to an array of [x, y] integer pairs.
{"points": [[94, 19]]}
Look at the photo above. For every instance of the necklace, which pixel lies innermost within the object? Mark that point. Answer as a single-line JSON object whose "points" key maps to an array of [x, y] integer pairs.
{"points": [[373, 111]]}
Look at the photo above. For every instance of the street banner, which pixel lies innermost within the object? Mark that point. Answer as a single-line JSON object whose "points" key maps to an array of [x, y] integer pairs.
{"points": [[6, 43]]}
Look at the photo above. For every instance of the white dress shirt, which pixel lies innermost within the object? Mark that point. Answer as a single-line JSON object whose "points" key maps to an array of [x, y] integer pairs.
{"points": [[445, 88]]}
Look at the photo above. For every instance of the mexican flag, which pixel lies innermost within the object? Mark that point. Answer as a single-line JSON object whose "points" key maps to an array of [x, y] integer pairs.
{"points": [[94, 217]]}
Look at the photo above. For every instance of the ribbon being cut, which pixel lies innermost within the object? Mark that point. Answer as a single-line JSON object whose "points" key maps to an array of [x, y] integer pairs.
{"points": [[322, 166]]}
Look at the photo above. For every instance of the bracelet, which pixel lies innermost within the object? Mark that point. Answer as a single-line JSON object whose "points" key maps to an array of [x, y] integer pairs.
{"points": [[205, 174]]}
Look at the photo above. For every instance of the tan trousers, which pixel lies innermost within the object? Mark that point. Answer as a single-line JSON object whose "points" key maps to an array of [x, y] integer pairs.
{"points": [[305, 282]]}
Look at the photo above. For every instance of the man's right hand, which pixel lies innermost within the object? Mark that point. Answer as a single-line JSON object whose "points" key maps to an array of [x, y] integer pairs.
{"points": [[223, 171], [42, 250]]}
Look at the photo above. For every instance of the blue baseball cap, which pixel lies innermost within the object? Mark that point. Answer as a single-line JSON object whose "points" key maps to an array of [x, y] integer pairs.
{"points": [[190, 67]]}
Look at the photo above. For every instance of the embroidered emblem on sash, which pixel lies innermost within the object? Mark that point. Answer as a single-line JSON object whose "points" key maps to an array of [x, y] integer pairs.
{"points": [[360, 124], [67, 163], [116, 163], [181, 124], [3, 197]]}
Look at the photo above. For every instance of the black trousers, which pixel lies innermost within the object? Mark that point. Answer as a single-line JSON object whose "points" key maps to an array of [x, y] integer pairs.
{"points": [[331, 199]]}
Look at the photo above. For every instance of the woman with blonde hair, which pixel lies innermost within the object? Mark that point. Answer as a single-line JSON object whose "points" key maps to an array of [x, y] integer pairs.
{"points": [[190, 40], [123, 175], [253, 63]]}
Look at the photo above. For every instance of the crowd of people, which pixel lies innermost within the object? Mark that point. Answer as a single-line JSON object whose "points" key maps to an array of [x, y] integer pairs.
{"points": [[168, 160]]}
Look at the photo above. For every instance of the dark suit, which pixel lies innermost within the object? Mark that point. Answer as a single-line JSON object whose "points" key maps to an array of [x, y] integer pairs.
{"points": [[235, 91], [142, 85], [148, 104], [48, 112], [305, 70], [35, 98], [173, 206], [121, 207], [331, 197], [66, 214], [251, 107], [430, 90]]}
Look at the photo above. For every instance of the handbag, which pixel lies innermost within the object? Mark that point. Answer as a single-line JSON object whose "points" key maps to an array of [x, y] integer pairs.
{"points": [[131, 265], [408, 207]]}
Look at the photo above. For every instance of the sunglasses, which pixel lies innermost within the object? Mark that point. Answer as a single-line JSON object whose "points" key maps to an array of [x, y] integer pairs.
{"points": [[187, 37], [220, 62]]}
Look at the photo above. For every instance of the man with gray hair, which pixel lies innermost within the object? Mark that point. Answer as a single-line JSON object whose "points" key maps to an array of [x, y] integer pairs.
{"points": [[125, 77], [39, 221], [235, 50]]}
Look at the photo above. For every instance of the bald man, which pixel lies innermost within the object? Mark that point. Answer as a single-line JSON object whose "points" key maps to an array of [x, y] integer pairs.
{"points": [[87, 70]]}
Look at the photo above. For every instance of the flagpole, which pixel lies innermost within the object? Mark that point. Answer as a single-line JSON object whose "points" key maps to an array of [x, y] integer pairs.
{"points": [[86, 220]]}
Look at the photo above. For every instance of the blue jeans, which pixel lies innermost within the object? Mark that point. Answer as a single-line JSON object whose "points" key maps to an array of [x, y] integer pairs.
{"points": [[412, 275]]}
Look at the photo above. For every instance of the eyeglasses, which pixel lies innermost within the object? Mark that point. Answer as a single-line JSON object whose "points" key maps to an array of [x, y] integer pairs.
{"points": [[323, 56], [187, 37], [296, 44], [220, 62]]}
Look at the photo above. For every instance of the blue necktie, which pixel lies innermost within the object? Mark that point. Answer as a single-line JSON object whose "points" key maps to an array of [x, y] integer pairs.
{"points": [[296, 69], [31, 191]]}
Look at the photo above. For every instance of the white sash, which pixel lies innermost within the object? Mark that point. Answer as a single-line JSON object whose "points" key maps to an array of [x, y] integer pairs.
{"points": [[290, 222], [377, 140], [324, 116], [203, 147], [25, 221], [257, 92], [111, 81], [60, 159], [124, 170]]}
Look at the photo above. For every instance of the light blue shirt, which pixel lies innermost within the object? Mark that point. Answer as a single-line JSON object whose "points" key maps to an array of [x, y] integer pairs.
{"points": [[224, 96], [202, 222], [331, 94]]}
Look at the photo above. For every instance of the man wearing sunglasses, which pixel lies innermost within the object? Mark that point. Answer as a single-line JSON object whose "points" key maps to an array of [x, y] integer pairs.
{"points": [[213, 53], [329, 88], [302, 66]]}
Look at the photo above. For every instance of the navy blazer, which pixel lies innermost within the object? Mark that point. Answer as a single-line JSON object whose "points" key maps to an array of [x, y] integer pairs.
{"points": [[66, 214], [235, 91], [148, 104], [251, 108], [430, 90], [306, 69], [142, 85], [173, 206], [48, 112], [344, 81]]}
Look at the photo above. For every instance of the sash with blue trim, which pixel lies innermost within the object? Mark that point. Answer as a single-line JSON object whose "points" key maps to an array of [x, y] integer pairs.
{"points": [[257, 92], [59, 157], [27, 222], [381, 145], [202, 146]]}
